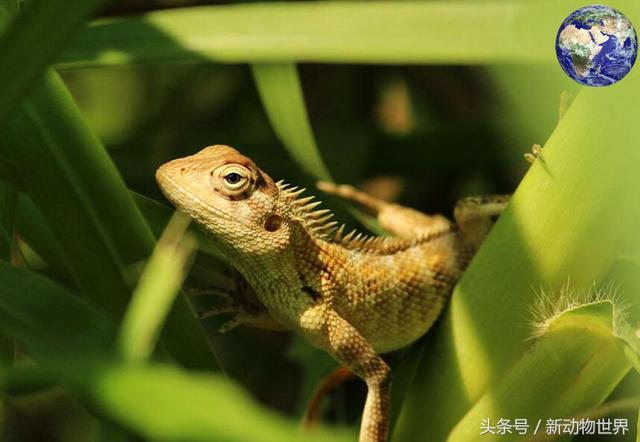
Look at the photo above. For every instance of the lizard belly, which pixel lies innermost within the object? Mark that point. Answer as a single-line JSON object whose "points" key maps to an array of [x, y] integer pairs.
{"points": [[393, 300]]}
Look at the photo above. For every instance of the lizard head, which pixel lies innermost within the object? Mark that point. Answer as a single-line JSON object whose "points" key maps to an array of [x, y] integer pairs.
{"points": [[227, 194]]}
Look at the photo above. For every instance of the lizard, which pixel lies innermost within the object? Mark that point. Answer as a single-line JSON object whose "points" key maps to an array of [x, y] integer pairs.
{"points": [[353, 296]]}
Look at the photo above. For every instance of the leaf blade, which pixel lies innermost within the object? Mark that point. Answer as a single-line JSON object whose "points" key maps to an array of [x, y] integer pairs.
{"points": [[78, 190]]}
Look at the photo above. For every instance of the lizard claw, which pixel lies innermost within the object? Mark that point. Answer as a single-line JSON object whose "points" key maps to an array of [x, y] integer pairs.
{"points": [[220, 292], [219, 310], [230, 325]]}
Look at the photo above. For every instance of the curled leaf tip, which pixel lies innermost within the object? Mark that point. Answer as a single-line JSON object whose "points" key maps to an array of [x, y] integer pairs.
{"points": [[550, 307]]}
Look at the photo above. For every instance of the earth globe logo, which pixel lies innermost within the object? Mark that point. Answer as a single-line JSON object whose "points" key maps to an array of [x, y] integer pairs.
{"points": [[596, 45]]}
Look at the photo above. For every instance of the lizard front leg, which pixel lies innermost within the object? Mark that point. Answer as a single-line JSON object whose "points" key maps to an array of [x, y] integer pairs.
{"points": [[241, 302], [351, 349], [243, 314]]}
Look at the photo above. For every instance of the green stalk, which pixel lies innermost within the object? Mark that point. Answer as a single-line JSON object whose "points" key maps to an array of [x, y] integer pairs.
{"points": [[156, 291]]}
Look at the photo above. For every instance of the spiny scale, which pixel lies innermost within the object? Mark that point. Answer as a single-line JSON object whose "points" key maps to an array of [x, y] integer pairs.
{"points": [[317, 223]]}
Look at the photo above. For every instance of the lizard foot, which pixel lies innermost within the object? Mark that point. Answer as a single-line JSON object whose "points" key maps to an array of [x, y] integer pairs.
{"points": [[241, 315], [247, 314], [536, 152]]}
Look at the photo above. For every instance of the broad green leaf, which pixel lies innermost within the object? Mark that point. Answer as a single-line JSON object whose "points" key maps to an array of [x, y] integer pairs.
{"points": [[632, 258], [77, 189], [156, 291], [35, 231], [9, 7], [24, 380], [281, 94], [25, 53], [8, 203], [48, 321], [462, 32], [630, 341], [163, 403], [72, 342], [577, 362], [638, 427], [7, 349], [568, 219]]}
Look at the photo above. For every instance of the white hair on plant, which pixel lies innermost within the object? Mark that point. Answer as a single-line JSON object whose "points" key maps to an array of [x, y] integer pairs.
{"points": [[548, 306]]}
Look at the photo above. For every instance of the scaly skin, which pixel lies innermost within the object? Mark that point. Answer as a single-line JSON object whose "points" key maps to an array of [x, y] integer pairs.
{"points": [[352, 296]]}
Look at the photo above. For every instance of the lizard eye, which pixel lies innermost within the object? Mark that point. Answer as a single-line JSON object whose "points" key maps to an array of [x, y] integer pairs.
{"points": [[233, 179]]}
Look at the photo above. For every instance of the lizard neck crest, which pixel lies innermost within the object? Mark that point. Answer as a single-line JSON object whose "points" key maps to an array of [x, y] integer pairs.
{"points": [[317, 222]]}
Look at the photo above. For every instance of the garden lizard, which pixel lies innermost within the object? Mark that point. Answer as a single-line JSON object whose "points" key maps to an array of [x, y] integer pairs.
{"points": [[353, 296]]}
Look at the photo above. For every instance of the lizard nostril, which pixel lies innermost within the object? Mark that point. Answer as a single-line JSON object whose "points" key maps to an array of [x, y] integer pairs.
{"points": [[182, 169]]}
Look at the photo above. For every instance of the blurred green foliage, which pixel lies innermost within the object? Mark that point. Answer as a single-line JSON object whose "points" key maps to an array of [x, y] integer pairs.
{"points": [[441, 104]]}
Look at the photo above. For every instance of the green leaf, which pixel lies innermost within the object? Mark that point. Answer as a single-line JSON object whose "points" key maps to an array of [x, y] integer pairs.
{"points": [[9, 7], [36, 232], [185, 406], [638, 428], [577, 362], [160, 402], [48, 321], [8, 203], [77, 189], [19, 67], [281, 94], [567, 220], [156, 291], [335, 32], [631, 258]]}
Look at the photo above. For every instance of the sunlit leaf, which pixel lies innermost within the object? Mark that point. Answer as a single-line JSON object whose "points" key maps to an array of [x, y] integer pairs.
{"points": [[281, 94], [545, 236], [156, 291], [578, 360], [414, 32]]}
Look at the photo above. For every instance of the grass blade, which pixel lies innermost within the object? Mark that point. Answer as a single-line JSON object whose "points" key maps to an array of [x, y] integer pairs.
{"points": [[103, 237], [156, 291], [281, 94], [157, 216], [19, 68]]}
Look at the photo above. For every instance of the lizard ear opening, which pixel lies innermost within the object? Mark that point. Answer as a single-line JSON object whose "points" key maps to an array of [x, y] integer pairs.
{"points": [[273, 223]]}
